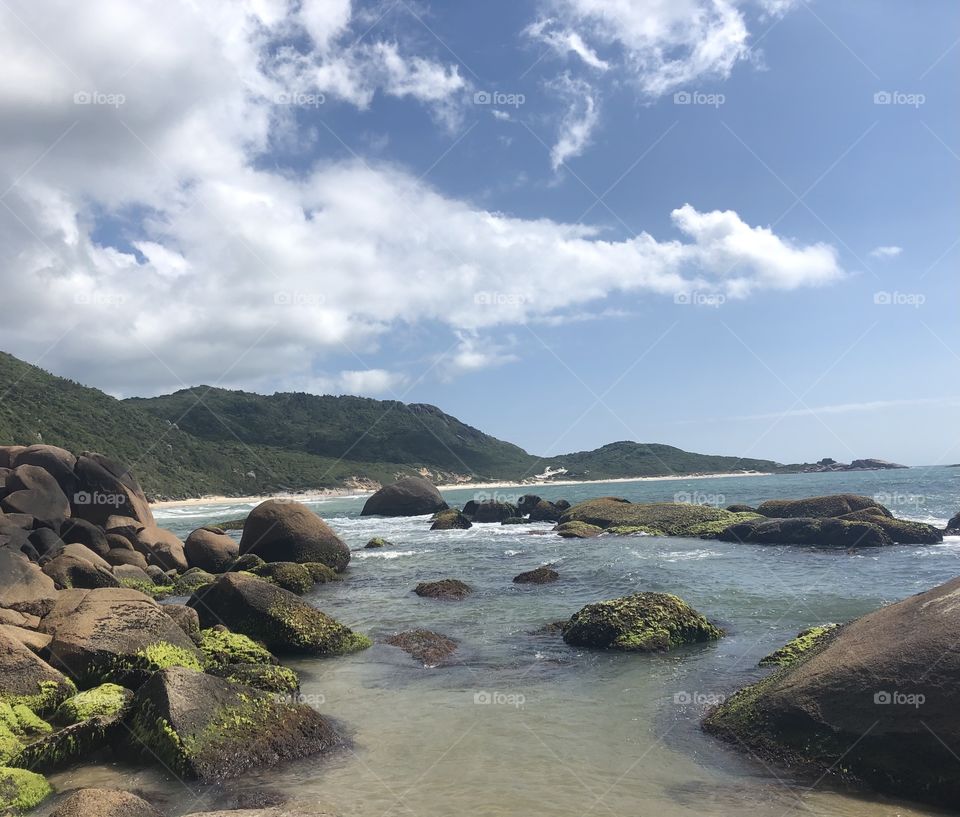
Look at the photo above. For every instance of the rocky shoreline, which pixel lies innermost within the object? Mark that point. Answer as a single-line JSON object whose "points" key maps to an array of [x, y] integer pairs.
{"points": [[93, 664]]}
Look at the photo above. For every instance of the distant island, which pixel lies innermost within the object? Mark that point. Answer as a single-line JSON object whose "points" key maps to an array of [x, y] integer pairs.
{"points": [[207, 441]]}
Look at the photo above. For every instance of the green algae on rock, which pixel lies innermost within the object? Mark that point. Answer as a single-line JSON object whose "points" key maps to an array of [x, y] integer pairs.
{"points": [[655, 518], [447, 589], [798, 647], [21, 790], [106, 700], [451, 519], [220, 646], [289, 575], [578, 530], [268, 677], [644, 622]]}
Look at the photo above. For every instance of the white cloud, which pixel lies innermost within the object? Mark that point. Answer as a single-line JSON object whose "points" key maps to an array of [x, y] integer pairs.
{"points": [[241, 274], [886, 252], [578, 123], [564, 41]]}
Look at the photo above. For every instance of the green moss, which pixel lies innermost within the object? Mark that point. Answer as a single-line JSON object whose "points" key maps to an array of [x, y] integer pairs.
{"points": [[377, 542], [49, 695], [798, 647], [578, 530], [191, 581], [163, 654], [641, 622], [281, 680], [21, 790], [224, 647], [321, 573], [288, 575], [30, 722], [155, 591], [655, 518], [106, 700], [303, 628]]}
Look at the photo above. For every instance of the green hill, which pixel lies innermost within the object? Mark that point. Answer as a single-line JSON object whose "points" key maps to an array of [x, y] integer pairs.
{"points": [[214, 441]]}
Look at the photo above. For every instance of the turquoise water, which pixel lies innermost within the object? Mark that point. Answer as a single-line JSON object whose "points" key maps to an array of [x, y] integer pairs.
{"points": [[518, 723]]}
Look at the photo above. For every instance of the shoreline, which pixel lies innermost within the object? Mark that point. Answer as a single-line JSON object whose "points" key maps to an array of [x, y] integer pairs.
{"points": [[331, 493]]}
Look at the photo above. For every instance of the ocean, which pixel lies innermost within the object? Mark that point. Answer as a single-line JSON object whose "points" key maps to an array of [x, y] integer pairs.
{"points": [[517, 723]]}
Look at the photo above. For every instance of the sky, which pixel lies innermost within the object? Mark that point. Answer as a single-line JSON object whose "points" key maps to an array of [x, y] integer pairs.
{"points": [[726, 225]]}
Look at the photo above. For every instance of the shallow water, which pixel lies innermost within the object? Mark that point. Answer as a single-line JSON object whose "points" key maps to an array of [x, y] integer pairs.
{"points": [[518, 723]]}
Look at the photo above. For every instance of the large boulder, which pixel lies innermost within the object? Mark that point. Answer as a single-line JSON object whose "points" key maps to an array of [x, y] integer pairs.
{"points": [[104, 803], [23, 586], [279, 619], [114, 635], [643, 622], [45, 542], [450, 519], [819, 507], [545, 511], [489, 510], [286, 531], [544, 574], [210, 728], [81, 532], [828, 532], [27, 679], [58, 462], [161, 547], [879, 701], [445, 589], [73, 572], [900, 531], [211, 550], [106, 488], [410, 496], [31, 490], [953, 526], [619, 516]]}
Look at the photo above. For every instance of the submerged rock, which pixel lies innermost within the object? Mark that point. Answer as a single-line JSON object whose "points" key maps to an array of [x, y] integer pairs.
{"points": [[282, 621], [424, 645], [104, 803], [410, 496], [378, 542], [827, 532], [645, 622], [540, 575], [209, 728], [879, 702], [654, 518], [798, 647], [450, 520], [288, 531], [447, 589]]}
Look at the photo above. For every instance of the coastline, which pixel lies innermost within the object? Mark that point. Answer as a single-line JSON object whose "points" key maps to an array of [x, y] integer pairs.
{"points": [[330, 493]]}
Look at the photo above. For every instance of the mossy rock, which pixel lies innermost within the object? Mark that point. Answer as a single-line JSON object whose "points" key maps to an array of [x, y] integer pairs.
{"points": [[451, 519], [21, 790], [540, 575], [18, 726], [578, 530], [654, 518], [643, 622], [321, 573], [247, 562], [230, 524], [426, 646], [446, 589], [220, 646], [280, 620], [270, 678], [106, 700], [812, 532], [152, 589], [288, 575], [515, 520], [78, 741], [191, 581], [204, 727], [900, 531], [820, 507], [378, 542], [798, 647], [26, 679]]}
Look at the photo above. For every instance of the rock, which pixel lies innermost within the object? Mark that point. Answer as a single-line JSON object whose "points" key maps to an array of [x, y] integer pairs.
{"points": [[819, 507], [273, 616], [514, 520], [27, 679], [953, 526], [320, 573], [208, 728], [161, 547], [489, 510], [185, 617], [878, 702], [654, 518], [132, 576], [191, 581], [288, 575], [118, 542], [814, 532], [447, 589], [8, 453], [545, 511], [84, 553], [45, 542], [21, 790], [106, 488], [72, 572], [741, 509], [527, 503], [562, 504], [378, 542], [31, 490], [157, 574], [127, 558], [31, 639], [410, 496], [286, 531], [24, 587], [16, 619], [268, 677], [426, 646], [450, 520], [220, 646], [541, 575], [104, 803], [115, 635], [58, 462], [104, 701], [248, 562], [797, 648], [900, 531], [644, 622], [578, 530], [211, 550]]}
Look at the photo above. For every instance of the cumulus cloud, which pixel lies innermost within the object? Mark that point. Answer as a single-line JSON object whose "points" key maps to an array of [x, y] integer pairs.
{"points": [[145, 247]]}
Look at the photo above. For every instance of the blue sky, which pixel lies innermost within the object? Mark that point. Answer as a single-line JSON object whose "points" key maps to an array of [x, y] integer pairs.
{"points": [[730, 227]]}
